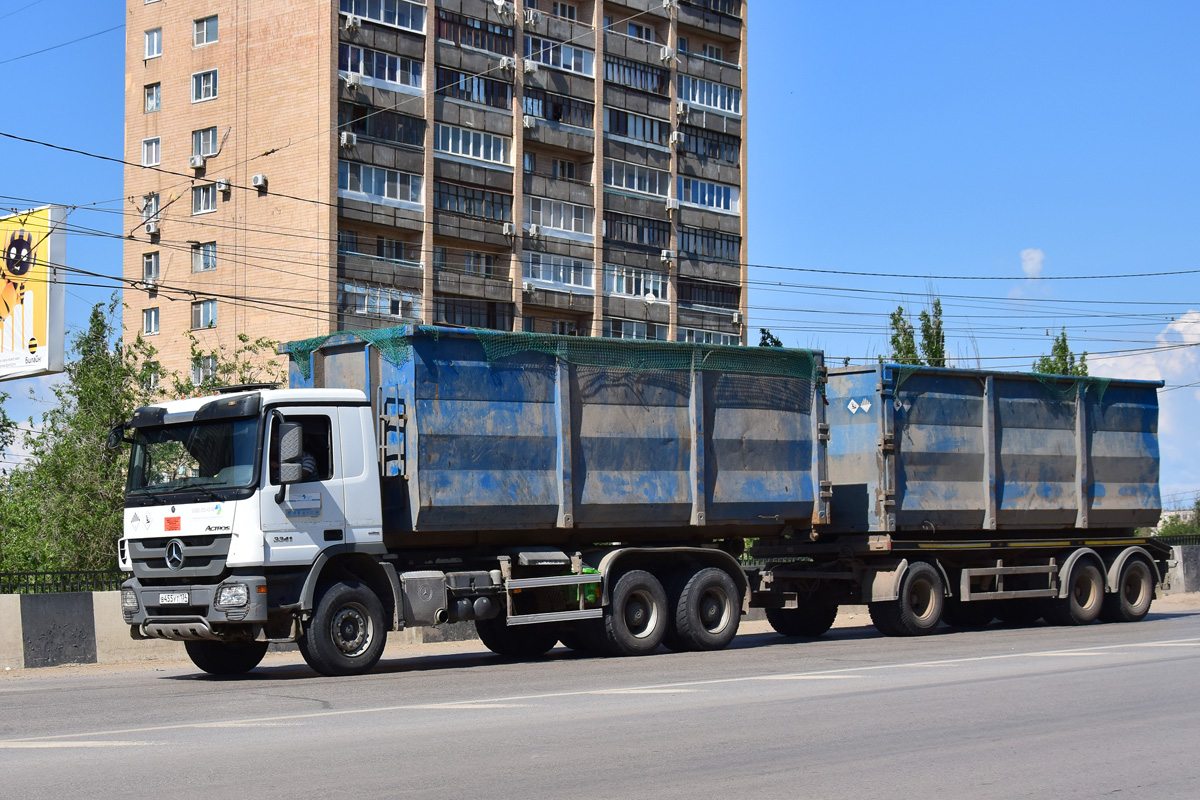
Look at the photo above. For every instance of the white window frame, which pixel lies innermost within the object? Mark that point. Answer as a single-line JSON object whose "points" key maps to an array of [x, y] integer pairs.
{"points": [[150, 209], [376, 300], [152, 91], [204, 314], [150, 267], [153, 44], [202, 137], [203, 370], [151, 151], [472, 144], [565, 10], [199, 85], [559, 271], [707, 94], [415, 71], [642, 30], [150, 319], [350, 172], [204, 199], [634, 282], [204, 257], [618, 174], [634, 329], [552, 216], [709, 195], [378, 12], [701, 336], [200, 31], [560, 55]]}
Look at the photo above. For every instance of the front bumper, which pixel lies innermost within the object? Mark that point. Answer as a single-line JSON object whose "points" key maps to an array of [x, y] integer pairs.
{"points": [[197, 618]]}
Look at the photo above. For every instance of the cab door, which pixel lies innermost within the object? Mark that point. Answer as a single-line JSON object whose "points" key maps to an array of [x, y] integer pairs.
{"points": [[312, 513]]}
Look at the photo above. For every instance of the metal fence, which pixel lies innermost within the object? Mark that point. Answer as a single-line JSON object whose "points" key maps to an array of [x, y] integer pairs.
{"points": [[98, 580], [1179, 540]]}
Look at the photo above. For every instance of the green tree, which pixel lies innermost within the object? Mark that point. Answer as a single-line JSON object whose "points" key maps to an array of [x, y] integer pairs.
{"points": [[933, 337], [768, 339], [248, 361], [1061, 360], [904, 343]]}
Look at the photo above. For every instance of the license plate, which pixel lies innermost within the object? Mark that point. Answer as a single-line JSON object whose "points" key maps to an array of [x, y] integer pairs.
{"points": [[173, 599]]}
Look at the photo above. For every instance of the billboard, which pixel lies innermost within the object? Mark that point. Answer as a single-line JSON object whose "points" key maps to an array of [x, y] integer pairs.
{"points": [[32, 293]]}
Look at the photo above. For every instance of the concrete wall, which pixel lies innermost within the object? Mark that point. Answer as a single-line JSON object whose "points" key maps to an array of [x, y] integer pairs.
{"points": [[1185, 576]]}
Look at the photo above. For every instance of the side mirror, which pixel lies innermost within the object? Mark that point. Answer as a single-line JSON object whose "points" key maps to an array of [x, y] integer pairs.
{"points": [[291, 450], [116, 437]]}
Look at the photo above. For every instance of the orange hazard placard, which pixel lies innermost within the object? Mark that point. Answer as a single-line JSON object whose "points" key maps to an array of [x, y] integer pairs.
{"points": [[171, 524]]}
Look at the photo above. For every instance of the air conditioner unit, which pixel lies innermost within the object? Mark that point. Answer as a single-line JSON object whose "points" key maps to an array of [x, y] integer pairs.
{"points": [[665, 256], [529, 287], [737, 318], [668, 4], [508, 62], [535, 231], [197, 162], [531, 67], [528, 121], [152, 228], [347, 139], [223, 185], [259, 181], [672, 204], [353, 22], [676, 137], [504, 8], [681, 108], [667, 54], [532, 16], [510, 229], [353, 80]]}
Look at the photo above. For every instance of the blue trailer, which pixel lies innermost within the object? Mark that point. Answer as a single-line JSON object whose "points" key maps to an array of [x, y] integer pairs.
{"points": [[600, 493]]}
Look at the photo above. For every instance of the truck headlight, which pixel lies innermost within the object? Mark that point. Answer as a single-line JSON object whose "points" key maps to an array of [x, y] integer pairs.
{"points": [[129, 599], [233, 595]]}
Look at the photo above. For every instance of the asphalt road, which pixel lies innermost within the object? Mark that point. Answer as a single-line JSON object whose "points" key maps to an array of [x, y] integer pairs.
{"points": [[1104, 710]]}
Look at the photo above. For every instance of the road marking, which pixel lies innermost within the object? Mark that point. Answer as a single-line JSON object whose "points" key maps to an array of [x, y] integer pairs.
{"points": [[35, 745], [672, 687], [467, 706], [642, 691], [805, 677]]}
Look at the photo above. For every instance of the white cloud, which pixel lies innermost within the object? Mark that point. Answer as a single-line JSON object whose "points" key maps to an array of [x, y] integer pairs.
{"points": [[1031, 262]]}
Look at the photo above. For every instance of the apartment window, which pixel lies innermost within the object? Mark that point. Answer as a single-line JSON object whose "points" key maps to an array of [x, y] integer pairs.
{"points": [[473, 313], [558, 108], [153, 43], [382, 67], [562, 169], [471, 144], [709, 245], [557, 215], [707, 194], [150, 321], [378, 184], [636, 177], [704, 293], [559, 55], [150, 267], [470, 262], [471, 202], [474, 89], [204, 86], [651, 233], [151, 152], [710, 144], [530, 162], [379, 124], [718, 96], [204, 142], [376, 300], [347, 242], [204, 31], [561, 270], [565, 10], [153, 97], [398, 250], [637, 31], [204, 199], [731, 8], [204, 368], [699, 336], [683, 44], [204, 257], [634, 282], [636, 75], [204, 314], [152, 373], [635, 126], [712, 52], [630, 329], [400, 13], [472, 32], [150, 209]]}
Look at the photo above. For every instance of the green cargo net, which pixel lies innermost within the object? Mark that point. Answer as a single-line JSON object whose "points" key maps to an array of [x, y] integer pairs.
{"points": [[1067, 387], [904, 372], [301, 353], [638, 355]]}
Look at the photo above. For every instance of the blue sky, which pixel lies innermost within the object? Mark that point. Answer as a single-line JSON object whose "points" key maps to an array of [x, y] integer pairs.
{"points": [[921, 141]]}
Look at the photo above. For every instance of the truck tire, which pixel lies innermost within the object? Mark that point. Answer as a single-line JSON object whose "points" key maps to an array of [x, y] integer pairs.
{"points": [[225, 658], [974, 616], [515, 641], [918, 610], [707, 611], [635, 619], [811, 619], [1085, 597], [1135, 591], [346, 634]]}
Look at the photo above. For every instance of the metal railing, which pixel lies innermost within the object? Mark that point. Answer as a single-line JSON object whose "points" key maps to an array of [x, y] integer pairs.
{"points": [[1181, 539], [98, 580]]}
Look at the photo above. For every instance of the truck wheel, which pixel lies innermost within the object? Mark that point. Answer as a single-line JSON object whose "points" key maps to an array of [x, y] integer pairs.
{"points": [[1085, 597], [918, 610], [974, 616], [345, 635], [1135, 592], [813, 618], [707, 611], [636, 618], [515, 641], [225, 658], [1018, 612]]}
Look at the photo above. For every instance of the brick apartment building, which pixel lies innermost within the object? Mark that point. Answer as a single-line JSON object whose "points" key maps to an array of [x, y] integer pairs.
{"points": [[547, 165]]}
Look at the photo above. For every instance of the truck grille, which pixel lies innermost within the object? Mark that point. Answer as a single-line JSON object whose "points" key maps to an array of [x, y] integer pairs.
{"points": [[203, 557]]}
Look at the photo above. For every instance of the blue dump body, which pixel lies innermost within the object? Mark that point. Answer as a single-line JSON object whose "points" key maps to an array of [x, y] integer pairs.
{"points": [[941, 450], [535, 442]]}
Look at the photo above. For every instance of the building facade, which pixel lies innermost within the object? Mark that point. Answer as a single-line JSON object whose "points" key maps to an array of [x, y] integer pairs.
{"points": [[558, 166]]}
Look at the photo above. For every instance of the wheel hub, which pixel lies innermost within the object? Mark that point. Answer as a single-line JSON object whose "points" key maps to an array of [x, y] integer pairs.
{"points": [[351, 630]]}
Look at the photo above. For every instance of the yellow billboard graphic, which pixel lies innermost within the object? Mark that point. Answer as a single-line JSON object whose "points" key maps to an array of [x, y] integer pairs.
{"points": [[31, 293]]}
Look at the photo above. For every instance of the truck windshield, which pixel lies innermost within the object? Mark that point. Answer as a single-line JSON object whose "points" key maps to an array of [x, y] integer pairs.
{"points": [[218, 454]]}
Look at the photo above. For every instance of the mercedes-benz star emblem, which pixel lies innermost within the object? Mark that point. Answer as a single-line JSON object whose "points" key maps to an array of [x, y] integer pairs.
{"points": [[174, 554]]}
